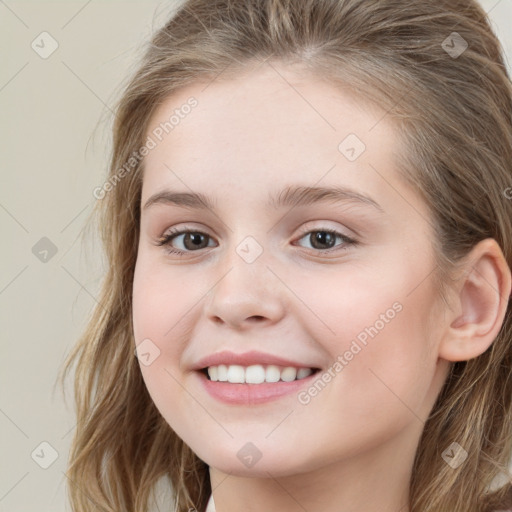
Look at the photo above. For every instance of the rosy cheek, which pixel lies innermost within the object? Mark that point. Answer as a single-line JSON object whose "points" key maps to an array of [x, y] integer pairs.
{"points": [[155, 304]]}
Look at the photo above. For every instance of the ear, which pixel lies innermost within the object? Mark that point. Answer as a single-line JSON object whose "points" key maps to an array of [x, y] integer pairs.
{"points": [[480, 302]]}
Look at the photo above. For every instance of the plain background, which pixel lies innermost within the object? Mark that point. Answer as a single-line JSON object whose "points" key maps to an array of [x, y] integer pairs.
{"points": [[55, 142]]}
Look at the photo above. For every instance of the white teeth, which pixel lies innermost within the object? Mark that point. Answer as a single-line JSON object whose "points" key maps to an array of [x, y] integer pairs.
{"points": [[289, 374], [256, 374], [272, 373], [222, 373], [236, 374]]}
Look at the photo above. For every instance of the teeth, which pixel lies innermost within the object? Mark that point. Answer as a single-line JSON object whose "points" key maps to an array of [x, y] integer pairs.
{"points": [[222, 372], [213, 372], [272, 373], [236, 374], [304, 372], [256, 374], [289, 374]]}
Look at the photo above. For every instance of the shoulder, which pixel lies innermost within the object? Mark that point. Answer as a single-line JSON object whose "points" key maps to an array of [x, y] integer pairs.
{"points": [[211, 505]]}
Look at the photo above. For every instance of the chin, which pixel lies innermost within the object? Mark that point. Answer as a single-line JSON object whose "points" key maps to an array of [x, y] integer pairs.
{"points": [[248, 461], [262, 469]]}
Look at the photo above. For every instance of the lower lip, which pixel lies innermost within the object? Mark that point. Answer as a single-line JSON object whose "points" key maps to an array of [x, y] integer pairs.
{"points": [[249, 394]]}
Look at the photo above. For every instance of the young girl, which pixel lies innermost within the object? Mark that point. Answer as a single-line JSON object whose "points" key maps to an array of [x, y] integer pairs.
{"points": [[308, 224]]}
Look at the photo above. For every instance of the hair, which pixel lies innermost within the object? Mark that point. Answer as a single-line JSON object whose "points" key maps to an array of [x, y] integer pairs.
{"points": [[453, 115]]}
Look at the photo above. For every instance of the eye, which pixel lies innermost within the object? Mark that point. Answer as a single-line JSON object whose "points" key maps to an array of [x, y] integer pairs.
{"points": [[190, 239], [324, 240]]}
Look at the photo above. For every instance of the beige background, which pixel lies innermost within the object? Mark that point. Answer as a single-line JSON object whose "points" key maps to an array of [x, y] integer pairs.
{"points": [[54, 144]]}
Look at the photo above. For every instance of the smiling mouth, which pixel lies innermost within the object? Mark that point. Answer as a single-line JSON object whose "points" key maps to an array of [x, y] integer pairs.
{"points": [[256, 374]]}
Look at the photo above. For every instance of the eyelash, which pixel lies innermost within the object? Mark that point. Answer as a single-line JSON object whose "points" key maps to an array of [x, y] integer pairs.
{"points": [[166, 239]]}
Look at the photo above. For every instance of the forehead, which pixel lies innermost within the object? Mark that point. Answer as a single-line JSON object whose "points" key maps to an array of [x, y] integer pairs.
{"points": [[269, 126]]}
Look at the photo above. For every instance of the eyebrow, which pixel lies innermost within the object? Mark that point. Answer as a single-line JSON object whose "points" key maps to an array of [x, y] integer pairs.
{"points": [[288, 197]]}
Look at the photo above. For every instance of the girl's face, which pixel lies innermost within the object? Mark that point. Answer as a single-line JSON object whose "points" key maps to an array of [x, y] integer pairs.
{"points": [[340, 282]]}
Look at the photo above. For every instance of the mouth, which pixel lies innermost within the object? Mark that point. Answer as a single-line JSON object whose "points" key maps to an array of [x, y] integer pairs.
{"points": [[256, 374]]}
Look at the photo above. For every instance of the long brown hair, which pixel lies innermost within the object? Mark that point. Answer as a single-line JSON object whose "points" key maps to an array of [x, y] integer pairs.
{"points": [[449, 96]]}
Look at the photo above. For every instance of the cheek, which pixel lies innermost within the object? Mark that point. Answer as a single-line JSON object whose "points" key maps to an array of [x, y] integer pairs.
{"points": [[162, 303], [378, 331], [385, 363], [162, 299]]}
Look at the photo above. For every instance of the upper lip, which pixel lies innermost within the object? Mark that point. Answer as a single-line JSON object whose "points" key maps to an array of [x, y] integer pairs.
{"points": [[246, 359]]}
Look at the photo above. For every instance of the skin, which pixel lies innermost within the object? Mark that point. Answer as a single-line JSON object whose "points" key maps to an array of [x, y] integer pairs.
{"points": [[352, 446]]}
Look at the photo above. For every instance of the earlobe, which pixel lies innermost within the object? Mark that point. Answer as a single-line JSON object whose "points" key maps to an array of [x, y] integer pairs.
{"points": [[481, 304]]}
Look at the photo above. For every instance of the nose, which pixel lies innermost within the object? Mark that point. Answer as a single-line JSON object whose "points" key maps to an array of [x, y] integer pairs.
{"points": [[246, 295]]}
